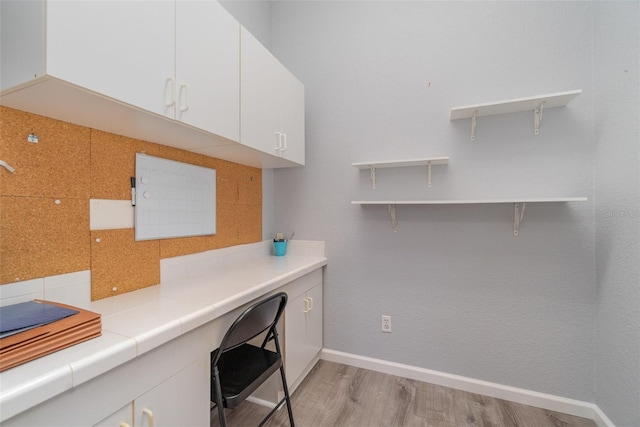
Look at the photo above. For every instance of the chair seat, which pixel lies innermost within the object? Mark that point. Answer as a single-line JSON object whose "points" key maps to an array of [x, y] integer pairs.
{"points": [[242, 370], [238, 368]]}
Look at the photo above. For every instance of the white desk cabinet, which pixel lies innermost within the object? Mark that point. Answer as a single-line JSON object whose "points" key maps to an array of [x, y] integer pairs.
{"points": [[271, 103], [121, 418], [175, 402], [178, 401], [303, 327], [171, 381]]}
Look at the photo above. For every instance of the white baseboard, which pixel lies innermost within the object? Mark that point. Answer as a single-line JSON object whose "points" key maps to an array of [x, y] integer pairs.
{"points": [[513, 394], [600, 418]]}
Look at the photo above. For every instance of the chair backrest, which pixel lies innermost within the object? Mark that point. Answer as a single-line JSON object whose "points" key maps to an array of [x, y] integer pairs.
{"points": [[253, 321]]}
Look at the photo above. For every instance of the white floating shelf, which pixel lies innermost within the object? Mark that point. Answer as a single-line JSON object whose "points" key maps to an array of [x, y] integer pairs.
{"points": [[532, 103], [518, 203], [470, 201], [403, 163], [428, 162], [551, 100]]}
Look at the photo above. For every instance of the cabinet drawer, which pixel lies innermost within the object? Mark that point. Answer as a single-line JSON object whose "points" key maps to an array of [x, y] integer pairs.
{"points": [[303, 284]]}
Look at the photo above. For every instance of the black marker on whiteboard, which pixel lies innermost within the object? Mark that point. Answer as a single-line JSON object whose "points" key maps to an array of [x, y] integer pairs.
{"points": [[133, 191]]}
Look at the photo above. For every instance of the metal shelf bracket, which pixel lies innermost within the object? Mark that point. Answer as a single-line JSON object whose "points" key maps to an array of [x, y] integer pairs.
{"points": [[429, 174], [518, 215], [537, 117], [473, 125], [394, 222], [373, 177]]}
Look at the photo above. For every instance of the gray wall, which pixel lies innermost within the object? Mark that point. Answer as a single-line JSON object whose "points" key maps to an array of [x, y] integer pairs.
{"points": [[254, 15], [542, 311], [617, 112], [466, 297]]}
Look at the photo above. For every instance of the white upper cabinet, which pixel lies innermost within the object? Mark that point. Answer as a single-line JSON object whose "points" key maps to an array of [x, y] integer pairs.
{"points": [[167, 72], [123, 50], [271, 103], [258, 95], [208, 68], [180, 60], [291, 116]]}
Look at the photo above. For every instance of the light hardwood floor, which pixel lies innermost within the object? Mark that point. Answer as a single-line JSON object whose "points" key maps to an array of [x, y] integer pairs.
{"points": [[340, 395]]}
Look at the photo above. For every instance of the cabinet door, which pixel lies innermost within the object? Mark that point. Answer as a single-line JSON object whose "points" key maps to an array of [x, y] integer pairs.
{"points": [[124, 50], [303, 332], [208, 68], [295, 338], [314, 322], [182, 400], [121, 418], [291, 115], [258, 95]]}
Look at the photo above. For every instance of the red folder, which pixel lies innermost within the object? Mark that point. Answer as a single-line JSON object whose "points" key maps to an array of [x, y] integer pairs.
{"points": [[46, 339]]}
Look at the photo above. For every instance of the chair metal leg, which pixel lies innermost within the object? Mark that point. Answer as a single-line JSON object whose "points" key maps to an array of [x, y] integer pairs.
{"points": [[286, 396], [216, 378], [274, 333]]}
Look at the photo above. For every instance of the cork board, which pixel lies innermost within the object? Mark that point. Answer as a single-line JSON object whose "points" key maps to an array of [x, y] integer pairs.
{"points": [[42, 236], [39, 237], [227, 182], [118, 261], [249, 223], [249, 205], [56, 166], [238, 188], [249, 186], [113, 159], [74, 164]]}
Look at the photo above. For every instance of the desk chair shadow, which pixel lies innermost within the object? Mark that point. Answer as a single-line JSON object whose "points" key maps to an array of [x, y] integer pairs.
{"points": [[239, 368]]}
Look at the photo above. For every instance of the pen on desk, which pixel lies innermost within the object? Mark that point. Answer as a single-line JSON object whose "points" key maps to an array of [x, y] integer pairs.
{"points": [[133, 191]]}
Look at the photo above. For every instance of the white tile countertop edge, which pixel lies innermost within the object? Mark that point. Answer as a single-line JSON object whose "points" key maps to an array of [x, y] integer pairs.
{"points": [[194, 290]]}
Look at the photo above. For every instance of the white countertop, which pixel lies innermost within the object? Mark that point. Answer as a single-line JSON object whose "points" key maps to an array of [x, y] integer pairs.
{"points": [[194, 290]]}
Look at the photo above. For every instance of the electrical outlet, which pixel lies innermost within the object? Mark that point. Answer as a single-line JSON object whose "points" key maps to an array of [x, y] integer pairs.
{"points": [[386, 323]]}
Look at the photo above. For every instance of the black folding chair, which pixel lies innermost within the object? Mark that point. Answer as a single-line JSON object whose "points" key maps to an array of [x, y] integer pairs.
{"points": [[239, 368]]}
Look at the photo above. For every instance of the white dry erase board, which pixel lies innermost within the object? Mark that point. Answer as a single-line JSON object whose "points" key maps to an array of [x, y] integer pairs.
{"points": [[173, 199]]}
